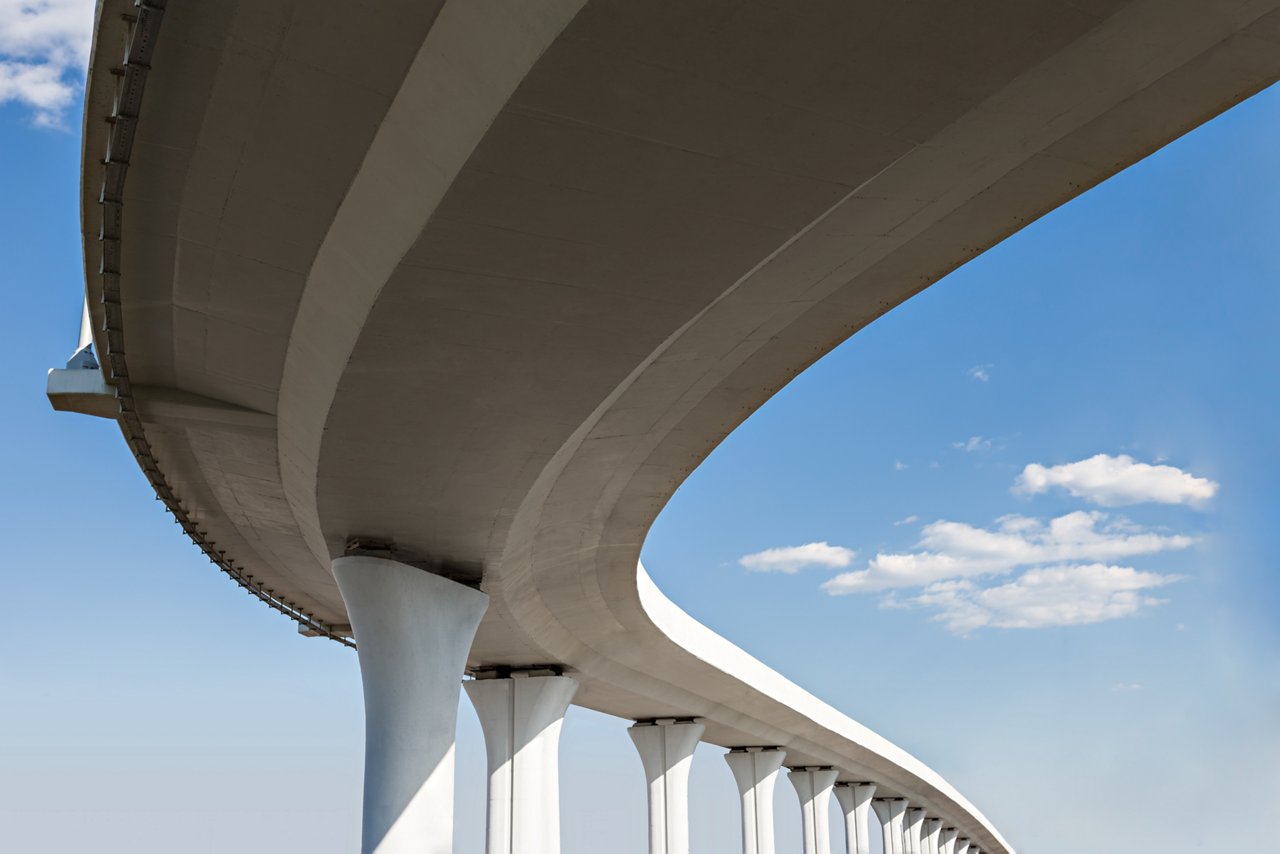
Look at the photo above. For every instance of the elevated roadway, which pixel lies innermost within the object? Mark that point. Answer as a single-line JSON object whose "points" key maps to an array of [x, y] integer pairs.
{"points": [[475, 286]]}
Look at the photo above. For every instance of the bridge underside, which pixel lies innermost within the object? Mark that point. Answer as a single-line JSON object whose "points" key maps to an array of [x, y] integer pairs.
{"points": [[486, 281]]}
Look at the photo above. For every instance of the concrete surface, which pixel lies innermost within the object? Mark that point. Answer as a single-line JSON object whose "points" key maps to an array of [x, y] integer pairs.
{"points": [[485, 281]]}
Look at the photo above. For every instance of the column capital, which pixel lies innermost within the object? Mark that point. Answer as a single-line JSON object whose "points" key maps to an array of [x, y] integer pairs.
{"points": [[643, 722]]}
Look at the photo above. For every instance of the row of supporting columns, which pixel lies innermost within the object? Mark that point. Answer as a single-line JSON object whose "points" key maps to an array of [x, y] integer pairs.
{"points": [[414, 631]]}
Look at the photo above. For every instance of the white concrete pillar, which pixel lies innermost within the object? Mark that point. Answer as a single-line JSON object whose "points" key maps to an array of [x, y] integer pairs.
{"points": [[521, 716], [929, 837], [813, 786], [890, 812], [912, 825], [947, 841], [666, 749], [962, 846], [756, 770], [855, 801], [413, 631]]}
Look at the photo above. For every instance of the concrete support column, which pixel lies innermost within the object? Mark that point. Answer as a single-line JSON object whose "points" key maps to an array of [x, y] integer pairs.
{"points": [[413, 631], [947, 841], [813, 786], [962, 846], [855, 801], [666, 749], [929, 836], [912, 825], [756, 770], [521, 716], [890, 812]]}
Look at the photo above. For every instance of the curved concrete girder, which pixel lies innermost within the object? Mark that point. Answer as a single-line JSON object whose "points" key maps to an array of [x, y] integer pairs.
{"points": [[238, 168], [471, 61]]}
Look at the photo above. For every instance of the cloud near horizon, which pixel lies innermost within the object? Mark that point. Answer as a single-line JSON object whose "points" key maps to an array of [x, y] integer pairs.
{"points": [[1116, 481], [791, 559], [44, 49]]}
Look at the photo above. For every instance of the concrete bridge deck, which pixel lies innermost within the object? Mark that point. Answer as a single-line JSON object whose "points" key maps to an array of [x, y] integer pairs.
{"points": [[476, 285]]}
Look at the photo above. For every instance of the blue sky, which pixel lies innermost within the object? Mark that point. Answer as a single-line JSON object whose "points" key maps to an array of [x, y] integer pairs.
{"points": [[148, 706]]}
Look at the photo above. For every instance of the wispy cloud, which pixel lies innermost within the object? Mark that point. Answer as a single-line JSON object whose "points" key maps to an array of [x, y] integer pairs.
{"points": [[899, 465], [1114, 481], [972, 444], [44, 47], [1070, 595], [955, 550], [792, 559], [1126, 687], [981, 373], [910, 520]]}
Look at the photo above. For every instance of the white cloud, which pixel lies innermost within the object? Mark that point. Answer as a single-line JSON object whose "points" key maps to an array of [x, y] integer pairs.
{"points": [[1113, 481], [899, 465], [951, 550], [1126, 687], [981, 373], [792, 559], [973, 443], [1069, 595], [1070, 567], [44, 48], [910, 520]]}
